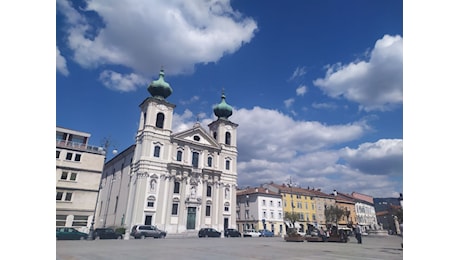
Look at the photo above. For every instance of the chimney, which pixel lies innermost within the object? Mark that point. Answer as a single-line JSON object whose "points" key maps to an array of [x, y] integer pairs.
{"points": [[257, 190], [335, 193]]}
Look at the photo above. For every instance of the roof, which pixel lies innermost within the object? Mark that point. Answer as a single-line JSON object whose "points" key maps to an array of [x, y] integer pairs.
{"points": [[300, 191], [258, 190]]}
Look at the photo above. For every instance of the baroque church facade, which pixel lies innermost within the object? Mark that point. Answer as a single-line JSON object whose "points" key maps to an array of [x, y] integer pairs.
{"points": [[179, 182]]}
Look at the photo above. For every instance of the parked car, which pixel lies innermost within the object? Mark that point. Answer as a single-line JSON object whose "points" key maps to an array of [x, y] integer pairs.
{"points": [[69, 233], [251, 233], [231, 232], [143, 231], [208, 232], [266, 233], [106, 233]]}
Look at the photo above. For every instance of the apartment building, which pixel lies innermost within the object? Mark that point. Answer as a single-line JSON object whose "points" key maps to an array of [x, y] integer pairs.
{"points": [[78, 172]]}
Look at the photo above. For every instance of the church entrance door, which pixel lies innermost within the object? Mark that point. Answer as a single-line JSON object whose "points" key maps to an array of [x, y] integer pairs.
{"points": [[191, 216]]}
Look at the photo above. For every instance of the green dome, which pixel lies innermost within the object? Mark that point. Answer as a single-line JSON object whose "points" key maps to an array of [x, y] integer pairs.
{"points": [[223, 110], [160, 88]]}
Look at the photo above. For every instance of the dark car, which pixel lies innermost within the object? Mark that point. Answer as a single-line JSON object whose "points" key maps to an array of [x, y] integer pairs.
{"points": [[266, 233], [143, 231], [231, 232], [106, 233], [69, 233], [208, 232]]}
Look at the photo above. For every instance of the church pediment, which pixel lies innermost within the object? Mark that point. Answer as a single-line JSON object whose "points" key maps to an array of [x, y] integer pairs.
{"points": [[196, 135]]}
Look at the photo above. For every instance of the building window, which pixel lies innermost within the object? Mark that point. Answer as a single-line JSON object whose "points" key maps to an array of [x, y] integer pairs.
{"points": [[60, 220], [227, 164], [306, 205], [196, 138], [214, 134], [160, 120], [209, 161], [226, 208], [80, 221], [145, 118], [208, 191], [247, 203], [176, 187], [314, 217], [280, 216], [263, 202], [272, 215], [312, 206], [156, 151], [64, 175], [73, 176], [150, 202], [195, 157], [77, 157], [246, 214], [58, 153], [179, 156], [68, 196], [271, 203], [227, 138], [68, 156], [59, 195], [175, 206], [208, 210], [279, 204], [265, 214], [299, 205]]}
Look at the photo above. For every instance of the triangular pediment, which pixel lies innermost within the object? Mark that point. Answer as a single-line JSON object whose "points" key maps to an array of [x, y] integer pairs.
{"points": [[197, 136]]}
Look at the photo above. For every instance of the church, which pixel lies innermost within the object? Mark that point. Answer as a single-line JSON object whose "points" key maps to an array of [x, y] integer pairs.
{"points": [[179, 182]]}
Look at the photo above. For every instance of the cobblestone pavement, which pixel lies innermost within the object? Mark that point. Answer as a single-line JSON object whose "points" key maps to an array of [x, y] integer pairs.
{"points": [[373, 247]]}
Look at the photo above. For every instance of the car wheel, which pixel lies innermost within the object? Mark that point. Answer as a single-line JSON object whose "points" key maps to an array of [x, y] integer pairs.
{"points": [[97, 238], [82, 238], [119, 237], [142, 236], [205, 235], [162, 236]]}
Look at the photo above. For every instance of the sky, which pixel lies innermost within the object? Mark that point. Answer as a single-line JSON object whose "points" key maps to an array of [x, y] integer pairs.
{"points": [[316, 86]]}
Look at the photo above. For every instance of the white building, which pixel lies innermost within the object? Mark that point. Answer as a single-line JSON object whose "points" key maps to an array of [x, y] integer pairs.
{"points": [[259, 208], [179, 182], [78, 171]]}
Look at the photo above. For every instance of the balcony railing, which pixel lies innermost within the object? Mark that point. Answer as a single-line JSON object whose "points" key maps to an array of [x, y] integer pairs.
{"points": [[79, 146]]}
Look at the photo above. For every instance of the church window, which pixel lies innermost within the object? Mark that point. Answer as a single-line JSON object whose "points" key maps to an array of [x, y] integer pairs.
{"points": [[196, 138], [227, 164], [209, 161], [208, 210], [156, 151], [176, 187], [160, 120], [145, 118], [175, 206], [179, 156], [208, 191], [214, 134], [195, 157], [227, 138]]}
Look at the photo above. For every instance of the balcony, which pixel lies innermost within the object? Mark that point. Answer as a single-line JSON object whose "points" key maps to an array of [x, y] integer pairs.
{"points": [[79, 146]]}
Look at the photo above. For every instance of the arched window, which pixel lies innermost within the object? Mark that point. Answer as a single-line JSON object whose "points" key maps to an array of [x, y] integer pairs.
{"points": [[209, 161], [151, 202], [227, 138], [195, 157], [179, 156], [156, 151], [214, 135], [176, 187], [160, 120], [227, 164], [145, 118], [208, 191]]}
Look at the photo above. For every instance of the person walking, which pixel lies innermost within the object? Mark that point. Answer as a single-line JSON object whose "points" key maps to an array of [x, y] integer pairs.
{"points": [[358, 234]]}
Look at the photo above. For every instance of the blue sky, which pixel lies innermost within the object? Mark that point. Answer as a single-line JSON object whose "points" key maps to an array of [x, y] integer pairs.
{"points": [[316, 86]]}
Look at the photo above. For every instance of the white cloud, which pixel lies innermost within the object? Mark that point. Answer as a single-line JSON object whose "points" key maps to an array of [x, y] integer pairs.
{"points": [[190, 101], [123, 83], [301, 90], [375, 84], [142, 35], [288, 102], [273, 147], [299, 72], [61, 63]]}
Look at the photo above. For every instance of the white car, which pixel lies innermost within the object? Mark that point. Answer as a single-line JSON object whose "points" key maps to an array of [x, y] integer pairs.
{"points": [[251, 233]]}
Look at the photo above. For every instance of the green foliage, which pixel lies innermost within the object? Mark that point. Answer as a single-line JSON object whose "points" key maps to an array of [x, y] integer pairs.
{"points": [[120, 230], [291, 217], [334, 214]]}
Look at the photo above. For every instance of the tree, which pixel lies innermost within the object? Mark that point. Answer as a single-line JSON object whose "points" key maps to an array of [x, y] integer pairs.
{"points": [[291, 217], [334, 214]]}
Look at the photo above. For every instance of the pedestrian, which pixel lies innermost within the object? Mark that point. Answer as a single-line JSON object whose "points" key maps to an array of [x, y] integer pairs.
{"points": [[358, 234]]}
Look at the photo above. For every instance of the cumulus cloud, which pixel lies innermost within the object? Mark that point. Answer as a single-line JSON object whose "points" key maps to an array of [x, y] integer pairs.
{"points": [[288, 102], [329, 105], [375, 84], [143, 36], [121, 82], [273, 147], [61, 63], [301, 90]]}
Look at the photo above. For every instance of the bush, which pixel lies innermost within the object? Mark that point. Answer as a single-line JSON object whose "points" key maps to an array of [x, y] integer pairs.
{"points": [[120, 230]]}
